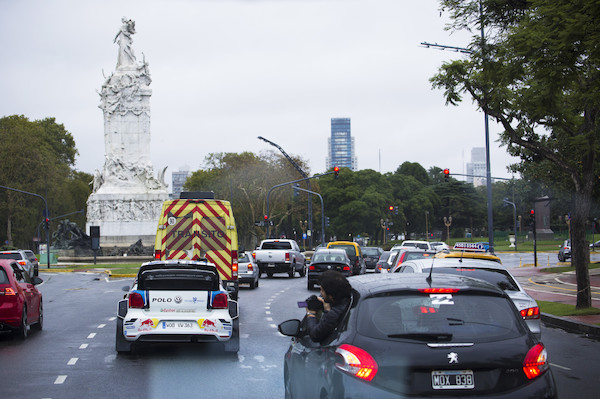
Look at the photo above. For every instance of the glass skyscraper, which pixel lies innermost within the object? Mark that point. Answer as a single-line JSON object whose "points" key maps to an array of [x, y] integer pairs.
{"points": [[341, 145]]}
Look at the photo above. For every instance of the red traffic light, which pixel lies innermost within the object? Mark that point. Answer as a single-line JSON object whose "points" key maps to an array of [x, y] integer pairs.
{"points": [[446, 174], [391, 208], [266, 217]]}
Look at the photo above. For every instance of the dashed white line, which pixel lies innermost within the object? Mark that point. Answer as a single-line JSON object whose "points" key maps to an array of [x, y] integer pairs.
{"points": [[92, 335], [101, 325], [112, 318], [83, 346], [72, 361], [60, 379]]}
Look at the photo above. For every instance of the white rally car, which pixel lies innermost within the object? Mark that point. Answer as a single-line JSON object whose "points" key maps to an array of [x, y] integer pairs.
{"points": [[177, 301]]}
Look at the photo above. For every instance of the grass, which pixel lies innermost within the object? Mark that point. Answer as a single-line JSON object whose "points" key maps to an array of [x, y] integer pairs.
{"points": [[114, 268], [563, 309]]}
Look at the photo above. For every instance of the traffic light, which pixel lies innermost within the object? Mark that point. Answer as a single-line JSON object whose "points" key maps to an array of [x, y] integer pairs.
{"points": [[326, 221], [396, 210], [296, 191], [46, 224], [532, 215], [336, 171], [266, 217], [391, 208], [446, 175]]}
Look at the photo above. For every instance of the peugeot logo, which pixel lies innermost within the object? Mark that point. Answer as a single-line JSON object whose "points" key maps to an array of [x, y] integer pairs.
{"points": [[452, 357]]}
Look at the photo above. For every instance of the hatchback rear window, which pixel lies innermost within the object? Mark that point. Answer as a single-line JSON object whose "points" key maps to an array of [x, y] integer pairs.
{"points": [[10, 255], [439, 318], [500, 278], [244, 258], [350, 250], [277, 245], [173, 280], [370, 251]]}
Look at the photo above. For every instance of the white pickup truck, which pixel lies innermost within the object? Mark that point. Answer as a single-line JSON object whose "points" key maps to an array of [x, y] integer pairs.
{"points": [[280, 256]]}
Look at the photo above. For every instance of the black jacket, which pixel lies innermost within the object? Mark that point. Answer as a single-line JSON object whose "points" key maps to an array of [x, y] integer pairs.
{"points": [[320, 330]]}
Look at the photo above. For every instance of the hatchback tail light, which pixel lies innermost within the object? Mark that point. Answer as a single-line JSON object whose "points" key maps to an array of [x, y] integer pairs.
{"points": [[357, 362], [22, 263], [136, 301], [536, 362], [7, 291], [531, 313], [346, 268], [311, 268], [220, 301]]}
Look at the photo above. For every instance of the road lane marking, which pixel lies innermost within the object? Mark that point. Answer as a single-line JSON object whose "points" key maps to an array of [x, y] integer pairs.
{"points": [[560, 367], [268, 312], [60, 379], [72, 361], [102, 326], [83, 346], [112, 318], [92, 335]]}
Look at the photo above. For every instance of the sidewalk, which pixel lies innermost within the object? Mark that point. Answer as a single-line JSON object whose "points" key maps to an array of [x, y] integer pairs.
{"points": [[589, 325]]}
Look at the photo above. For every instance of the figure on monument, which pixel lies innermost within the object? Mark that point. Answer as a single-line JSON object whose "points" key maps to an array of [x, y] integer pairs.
{"points": [[126, 56]]}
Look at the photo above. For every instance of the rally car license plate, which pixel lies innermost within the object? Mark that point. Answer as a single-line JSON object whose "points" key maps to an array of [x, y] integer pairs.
{"points": [[177, 324], [452, 379], [271, 265]]}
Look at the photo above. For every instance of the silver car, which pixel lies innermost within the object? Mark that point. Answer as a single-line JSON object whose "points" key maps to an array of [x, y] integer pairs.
{"points": [[490, 271], [248, 270], [25, 258]]}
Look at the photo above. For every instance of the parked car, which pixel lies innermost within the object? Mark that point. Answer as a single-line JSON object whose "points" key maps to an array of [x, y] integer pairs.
{"points": [[354, 253], [327, 259], [564, 252], [247, 270], [410, 254], [486, 270], [177, 301], [408, 336], [25, 258], [595, 245], [21, 305], [371, 255]]}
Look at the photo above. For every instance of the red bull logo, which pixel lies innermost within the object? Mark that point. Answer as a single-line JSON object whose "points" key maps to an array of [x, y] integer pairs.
{"points": [[148, 322], [208, 323]]}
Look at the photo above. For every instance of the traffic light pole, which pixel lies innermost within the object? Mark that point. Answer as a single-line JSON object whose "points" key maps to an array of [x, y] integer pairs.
{"points": [[46, 226], [322, 212], [286, 184]]}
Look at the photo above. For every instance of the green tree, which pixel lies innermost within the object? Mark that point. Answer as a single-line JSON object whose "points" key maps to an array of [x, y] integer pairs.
{"points": [[537, 74], [37, 157]]}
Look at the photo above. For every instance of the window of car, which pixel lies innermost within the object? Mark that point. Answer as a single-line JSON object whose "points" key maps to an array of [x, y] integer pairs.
{"points": [[350, 249], [244, 258], [19, 275], [175, 280], [500, 278], [445, 318], [370, 251], [3, 276], [277, 245], [10, 255]]}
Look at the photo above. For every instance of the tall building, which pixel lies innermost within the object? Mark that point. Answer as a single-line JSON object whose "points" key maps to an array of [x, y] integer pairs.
{"points": [[341, 150], [178, 179], [477, 167]]}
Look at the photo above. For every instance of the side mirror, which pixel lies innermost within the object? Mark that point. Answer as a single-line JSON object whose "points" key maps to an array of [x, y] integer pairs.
{"points": [[35, 280], [291, 328]]}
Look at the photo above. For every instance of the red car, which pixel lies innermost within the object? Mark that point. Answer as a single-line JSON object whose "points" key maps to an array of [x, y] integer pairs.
{"points": [[20, 301]]}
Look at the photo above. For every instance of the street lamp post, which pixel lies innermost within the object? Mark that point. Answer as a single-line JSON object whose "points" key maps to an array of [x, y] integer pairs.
{"points": [[426, 226], [448, 222], [514, 218]]}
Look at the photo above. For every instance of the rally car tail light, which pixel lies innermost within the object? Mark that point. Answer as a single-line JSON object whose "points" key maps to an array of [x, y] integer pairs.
{"points": [[357, 362], [220, 301], [536, 362], [531, 313], [136, 301]]}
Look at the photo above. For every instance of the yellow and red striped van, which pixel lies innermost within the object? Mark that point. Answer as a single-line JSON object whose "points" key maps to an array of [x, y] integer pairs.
{"points": [[197, 226]]}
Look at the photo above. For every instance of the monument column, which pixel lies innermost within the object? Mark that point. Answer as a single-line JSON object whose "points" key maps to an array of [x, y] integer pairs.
{"points": [[126, 198]]}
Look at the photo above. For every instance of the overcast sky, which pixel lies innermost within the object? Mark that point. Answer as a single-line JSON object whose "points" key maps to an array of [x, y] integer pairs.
{"points": [[227, 71]]}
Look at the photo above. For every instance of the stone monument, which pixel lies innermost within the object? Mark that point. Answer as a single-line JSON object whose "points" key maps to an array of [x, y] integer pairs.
{"points": [[126, 200]]}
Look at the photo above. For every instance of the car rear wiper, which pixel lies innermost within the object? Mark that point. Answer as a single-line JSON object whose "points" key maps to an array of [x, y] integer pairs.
{"points": [[424, 336], [459, 322]]}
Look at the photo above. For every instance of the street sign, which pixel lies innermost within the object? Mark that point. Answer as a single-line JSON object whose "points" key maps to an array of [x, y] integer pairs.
{"points": [[260, 224]]}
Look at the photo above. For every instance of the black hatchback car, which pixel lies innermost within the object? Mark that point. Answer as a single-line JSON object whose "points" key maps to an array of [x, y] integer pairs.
{"points": [[407, 336], [327, 259]]}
